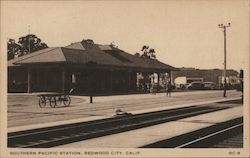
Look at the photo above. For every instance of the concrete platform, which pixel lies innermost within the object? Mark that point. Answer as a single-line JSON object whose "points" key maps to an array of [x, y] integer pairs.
{"points": [[140, 137], [30, 116]]}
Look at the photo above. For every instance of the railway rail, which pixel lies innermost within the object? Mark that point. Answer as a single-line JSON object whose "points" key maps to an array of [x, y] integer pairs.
{"points": [[222, 135], [232, 142], [64, 134]]}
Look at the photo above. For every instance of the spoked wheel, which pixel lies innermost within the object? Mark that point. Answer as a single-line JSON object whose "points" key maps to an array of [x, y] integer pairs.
{"points": [[52, 102], [66, 100], [42, 102]]}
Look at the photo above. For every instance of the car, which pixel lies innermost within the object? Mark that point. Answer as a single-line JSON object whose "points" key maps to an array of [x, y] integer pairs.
{"points": [[195, 86], [209, 85]]}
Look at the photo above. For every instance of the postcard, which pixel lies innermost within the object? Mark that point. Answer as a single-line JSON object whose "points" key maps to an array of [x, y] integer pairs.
{"points": [[87, 79]]}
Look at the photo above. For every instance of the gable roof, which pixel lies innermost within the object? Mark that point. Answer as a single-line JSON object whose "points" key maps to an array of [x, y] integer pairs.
{"points": [[84, 53]]}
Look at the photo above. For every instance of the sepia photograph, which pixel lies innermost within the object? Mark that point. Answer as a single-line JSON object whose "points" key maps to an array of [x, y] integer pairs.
{"points": [[124, 78]]}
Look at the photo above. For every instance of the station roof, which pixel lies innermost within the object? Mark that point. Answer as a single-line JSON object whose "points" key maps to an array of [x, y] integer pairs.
{"points": [[84, 53]]}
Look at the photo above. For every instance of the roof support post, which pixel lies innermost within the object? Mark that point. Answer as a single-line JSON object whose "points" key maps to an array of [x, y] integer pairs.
{"points": [[29, 81], [63, 80], [45, 78], [144, 81], [111, 81], [129, 80], [171, 77], [158, 82]]}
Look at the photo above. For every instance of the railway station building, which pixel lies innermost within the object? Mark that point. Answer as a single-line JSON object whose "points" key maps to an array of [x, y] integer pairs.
{"points": [[88, 67]]}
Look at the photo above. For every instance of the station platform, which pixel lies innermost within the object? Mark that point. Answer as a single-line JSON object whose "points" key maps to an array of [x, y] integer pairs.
{"points": [[24, 112], [149, 135]]}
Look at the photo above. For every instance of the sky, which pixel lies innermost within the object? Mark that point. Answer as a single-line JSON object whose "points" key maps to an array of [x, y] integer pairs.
{"points": [[183, 33]]}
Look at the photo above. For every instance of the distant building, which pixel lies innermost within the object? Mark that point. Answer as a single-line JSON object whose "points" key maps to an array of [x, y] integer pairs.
{"points": [[91, 68], [188, 75]]}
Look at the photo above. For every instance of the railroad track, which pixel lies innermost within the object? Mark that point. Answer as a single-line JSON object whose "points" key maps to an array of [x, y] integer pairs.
{"points": [[222, 135], [232, 142], [64, 134]]}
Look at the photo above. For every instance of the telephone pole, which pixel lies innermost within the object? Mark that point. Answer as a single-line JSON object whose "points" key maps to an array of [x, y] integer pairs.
{"points": [[224, 27]]}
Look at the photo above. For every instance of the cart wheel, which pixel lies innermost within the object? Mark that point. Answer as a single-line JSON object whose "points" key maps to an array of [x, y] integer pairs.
{"points": [[42, 102], [52, 102], [66, 100]]}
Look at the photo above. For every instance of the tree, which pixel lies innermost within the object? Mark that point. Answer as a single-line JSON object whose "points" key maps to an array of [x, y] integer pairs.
{"points": [[147, 52], [26, 44], [13, 49], [31, 43]]}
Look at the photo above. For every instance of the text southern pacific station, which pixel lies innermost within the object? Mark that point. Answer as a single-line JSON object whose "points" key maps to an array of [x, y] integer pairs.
{"points": [[45, 153]]}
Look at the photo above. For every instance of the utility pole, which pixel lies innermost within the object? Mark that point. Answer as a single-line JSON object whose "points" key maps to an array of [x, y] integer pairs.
{"points": [[224, 27]]}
